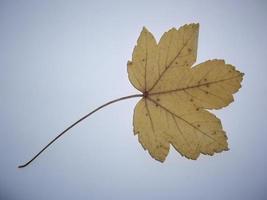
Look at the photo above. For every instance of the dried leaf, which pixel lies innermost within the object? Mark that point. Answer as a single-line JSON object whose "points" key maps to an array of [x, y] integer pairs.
{"points": [[176, 95]]}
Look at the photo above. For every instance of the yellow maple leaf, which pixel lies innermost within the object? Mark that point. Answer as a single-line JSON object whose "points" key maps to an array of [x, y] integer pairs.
{"points": [[176, 96]]}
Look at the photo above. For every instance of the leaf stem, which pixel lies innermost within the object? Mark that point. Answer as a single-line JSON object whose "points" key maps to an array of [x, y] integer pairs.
{"points": [[78, 121]]}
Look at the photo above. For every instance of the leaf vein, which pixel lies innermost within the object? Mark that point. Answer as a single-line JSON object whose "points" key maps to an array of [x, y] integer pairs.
{"points": [[193, 126], [168, 66]]}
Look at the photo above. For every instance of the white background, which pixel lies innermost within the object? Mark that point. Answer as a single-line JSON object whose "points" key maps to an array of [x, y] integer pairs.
{"points": [[61, 59]]}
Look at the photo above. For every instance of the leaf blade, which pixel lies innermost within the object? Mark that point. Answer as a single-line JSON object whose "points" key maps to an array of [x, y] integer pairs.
{"points": [[177, 48], [176, 96], [213, 90], [143, 60], [148, 135]]}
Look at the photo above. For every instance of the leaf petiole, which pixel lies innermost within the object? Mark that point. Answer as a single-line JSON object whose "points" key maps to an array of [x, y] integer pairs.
{"points": [[78, 121]]}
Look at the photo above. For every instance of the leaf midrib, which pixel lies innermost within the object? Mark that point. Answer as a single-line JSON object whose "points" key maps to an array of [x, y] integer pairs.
{"points": [[194, 86]]}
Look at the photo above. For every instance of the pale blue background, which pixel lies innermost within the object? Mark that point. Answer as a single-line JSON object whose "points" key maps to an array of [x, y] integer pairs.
{"points": [[61, 59]]}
